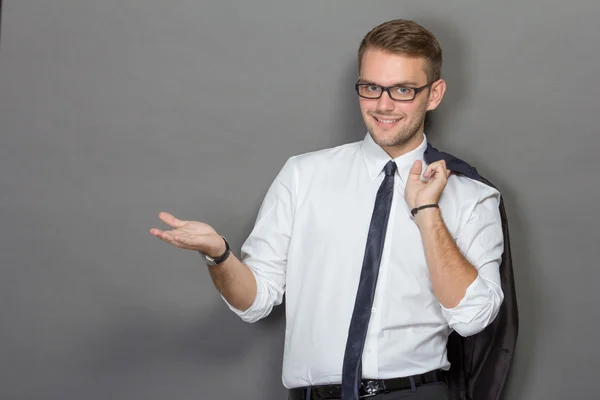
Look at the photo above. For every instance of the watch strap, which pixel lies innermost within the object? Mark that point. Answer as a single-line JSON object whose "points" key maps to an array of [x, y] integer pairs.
{"points": [[212, 261], [225, 255]]}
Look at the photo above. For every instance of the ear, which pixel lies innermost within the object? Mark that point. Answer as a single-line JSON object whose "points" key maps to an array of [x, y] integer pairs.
{"points": [[436, 93]]}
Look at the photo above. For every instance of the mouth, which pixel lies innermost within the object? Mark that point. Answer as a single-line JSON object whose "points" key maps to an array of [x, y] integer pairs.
{"points": [[386, 122]]}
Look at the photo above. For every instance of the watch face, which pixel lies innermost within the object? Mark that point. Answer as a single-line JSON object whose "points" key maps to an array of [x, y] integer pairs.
{"points": [[209, 260]]}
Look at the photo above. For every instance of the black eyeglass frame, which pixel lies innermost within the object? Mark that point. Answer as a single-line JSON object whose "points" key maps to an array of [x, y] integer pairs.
{"points": [[384, 89]]}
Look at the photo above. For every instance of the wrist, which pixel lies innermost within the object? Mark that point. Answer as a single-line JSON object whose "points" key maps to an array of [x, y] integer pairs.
{"points": [[219, 248], [428, 217], [219, 255]]}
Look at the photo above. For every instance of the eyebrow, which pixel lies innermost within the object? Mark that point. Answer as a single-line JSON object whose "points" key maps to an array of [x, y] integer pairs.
{"points": [[403, 83]]}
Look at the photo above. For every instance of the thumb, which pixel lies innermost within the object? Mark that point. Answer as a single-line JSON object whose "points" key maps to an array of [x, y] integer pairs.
{"points": [[171, 220], [415, 171]]}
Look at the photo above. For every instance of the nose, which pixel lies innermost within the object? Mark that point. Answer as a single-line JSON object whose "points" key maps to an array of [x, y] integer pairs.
{"points": [[385, 103]]}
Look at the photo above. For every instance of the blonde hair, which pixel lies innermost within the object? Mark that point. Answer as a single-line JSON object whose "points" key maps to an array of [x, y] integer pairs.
{"points": [[401, 36]]}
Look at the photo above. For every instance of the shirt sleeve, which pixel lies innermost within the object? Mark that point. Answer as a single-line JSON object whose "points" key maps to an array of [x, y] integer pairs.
{"points": [[481, 241], [265, 250]]}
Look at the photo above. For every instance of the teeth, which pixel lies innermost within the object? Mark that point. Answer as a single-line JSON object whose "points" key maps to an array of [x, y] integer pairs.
{"points": [[387, 121]]}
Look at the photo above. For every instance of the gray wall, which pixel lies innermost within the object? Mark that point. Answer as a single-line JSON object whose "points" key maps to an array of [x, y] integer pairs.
{"points": [[112, 111]]}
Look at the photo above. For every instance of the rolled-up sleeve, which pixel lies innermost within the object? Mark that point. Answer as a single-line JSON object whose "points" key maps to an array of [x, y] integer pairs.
{"points": [[265, 250], [481, 241]]}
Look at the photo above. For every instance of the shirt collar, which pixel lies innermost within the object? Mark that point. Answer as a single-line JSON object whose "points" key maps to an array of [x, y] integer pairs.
{"points": [[376, 158]]}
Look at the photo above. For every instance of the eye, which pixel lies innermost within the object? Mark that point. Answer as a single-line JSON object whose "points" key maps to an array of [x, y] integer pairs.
{"points": [[372, 88], [402, 90]]}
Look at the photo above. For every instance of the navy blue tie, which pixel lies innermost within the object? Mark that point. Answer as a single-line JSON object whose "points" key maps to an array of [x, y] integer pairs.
{"points": [[352, 371]]}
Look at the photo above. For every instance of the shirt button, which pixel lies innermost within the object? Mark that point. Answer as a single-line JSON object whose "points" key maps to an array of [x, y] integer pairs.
{"points": [[373, 310]]}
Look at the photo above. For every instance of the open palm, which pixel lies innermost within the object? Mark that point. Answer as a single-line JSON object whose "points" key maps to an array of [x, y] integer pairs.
{"points": [[192, 235]]}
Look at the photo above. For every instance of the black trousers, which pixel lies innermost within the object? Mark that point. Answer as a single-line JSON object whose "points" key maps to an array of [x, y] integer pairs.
{"points": [[430, 391]]}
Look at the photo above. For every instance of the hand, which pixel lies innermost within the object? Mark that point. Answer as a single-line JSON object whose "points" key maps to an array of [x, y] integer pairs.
{"points": [[191, 235], [419, 193]]}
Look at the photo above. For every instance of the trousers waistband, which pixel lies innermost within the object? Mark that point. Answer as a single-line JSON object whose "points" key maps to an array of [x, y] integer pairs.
{"points": [[369, 387]]}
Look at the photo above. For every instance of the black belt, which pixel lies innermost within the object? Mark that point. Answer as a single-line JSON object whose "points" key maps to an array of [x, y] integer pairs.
{"points": [[369, 387]]}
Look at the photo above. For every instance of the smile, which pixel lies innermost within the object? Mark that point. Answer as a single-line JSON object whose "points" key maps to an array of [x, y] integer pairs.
{"points": [[386, 121]]}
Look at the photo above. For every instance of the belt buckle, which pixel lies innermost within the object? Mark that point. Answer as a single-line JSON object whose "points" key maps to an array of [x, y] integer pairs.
{"points": [[371, 388]]}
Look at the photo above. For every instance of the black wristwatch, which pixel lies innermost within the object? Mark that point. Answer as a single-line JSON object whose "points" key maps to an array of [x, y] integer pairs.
{"points": [[211, 262]]}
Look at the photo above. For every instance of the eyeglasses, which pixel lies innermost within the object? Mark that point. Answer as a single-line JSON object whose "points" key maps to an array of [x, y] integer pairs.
{"points": [[397, 93]]}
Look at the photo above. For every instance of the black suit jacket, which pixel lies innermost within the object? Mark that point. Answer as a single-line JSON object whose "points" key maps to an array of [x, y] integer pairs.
{"points": [[480, 363]]}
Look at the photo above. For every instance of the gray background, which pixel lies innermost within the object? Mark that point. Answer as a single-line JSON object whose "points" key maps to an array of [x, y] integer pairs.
{"points": [[112, 111]]}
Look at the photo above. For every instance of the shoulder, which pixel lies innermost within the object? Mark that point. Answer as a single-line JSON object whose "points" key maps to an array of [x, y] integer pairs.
{"points": [[315, 161], [467, 200], [311, 165], [469, 189], [328, 154]]}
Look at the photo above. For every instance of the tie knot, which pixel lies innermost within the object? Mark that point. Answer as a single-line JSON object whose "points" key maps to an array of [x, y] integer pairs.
{"points": [[390, 168]]}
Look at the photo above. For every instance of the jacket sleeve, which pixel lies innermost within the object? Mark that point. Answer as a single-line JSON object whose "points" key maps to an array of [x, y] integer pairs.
{"points": [[265, 250], [481, 241]]}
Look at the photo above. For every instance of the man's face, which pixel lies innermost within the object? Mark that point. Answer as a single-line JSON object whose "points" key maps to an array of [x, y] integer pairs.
{"points": [[392, 123]]}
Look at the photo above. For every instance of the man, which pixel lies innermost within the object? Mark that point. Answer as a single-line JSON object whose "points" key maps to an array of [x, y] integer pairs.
{"points": [[381, 255]]}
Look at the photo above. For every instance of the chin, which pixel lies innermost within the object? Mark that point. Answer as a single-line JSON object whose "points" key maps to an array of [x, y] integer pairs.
{"points": [[389, 139]]}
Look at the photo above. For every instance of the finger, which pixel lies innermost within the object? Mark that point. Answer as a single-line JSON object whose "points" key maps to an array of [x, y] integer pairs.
{"points": [[435, 168], [430, 170], [160, 234], [171, 220], [164, 235], [415, 170], [155, 232]]}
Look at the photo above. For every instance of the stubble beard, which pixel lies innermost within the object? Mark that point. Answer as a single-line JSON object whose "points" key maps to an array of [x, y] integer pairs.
{"points": [[405, 135]]}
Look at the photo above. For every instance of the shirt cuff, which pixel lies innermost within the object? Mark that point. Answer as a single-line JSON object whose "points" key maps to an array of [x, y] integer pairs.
{"points": [[476, 310], [257, 310]]}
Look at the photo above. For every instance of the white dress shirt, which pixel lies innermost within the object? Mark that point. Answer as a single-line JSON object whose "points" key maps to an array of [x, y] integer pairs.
{"points": [[309, 241]]}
